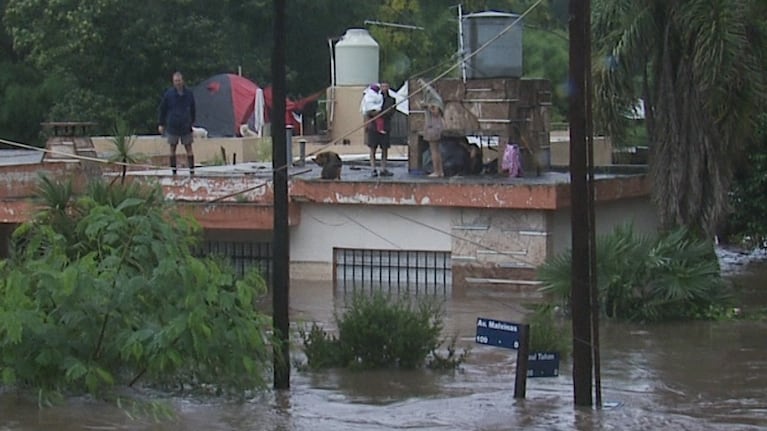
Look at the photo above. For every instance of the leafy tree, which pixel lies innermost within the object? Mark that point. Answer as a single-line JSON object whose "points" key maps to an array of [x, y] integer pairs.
{"points": [[120, 54], [749, 193], [249, 37], [102, 291], [27, 96], [546, 56], [26, 93], [693, 63], [310, 24], [406, 54]]}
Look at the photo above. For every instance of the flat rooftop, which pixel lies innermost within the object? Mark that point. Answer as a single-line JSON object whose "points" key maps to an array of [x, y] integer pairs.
{"points": [[359, 170]]}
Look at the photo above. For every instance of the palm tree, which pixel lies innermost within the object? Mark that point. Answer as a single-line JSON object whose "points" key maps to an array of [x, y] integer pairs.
{"points": [[695, 64]]}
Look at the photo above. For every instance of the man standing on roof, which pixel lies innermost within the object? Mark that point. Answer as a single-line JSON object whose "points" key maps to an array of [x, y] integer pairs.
{"points": [[177, 115], [387, 112], [371, 107]]}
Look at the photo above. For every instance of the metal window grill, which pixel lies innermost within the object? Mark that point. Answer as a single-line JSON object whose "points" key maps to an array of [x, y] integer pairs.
{"points": [[407, 271], [242, 255]]}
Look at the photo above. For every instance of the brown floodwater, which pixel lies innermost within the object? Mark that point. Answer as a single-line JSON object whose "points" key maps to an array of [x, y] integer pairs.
{"points": [[688, 376]]}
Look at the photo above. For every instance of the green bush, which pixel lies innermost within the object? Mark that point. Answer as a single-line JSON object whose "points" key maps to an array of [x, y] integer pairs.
{"points": [[748, 194], [322, 349], [674, 276], [548, 334], [378, 331], [102, 292]]}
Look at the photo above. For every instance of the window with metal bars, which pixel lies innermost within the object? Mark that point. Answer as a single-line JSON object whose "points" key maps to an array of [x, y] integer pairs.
{"points": [[410, 271], [242, 255]]}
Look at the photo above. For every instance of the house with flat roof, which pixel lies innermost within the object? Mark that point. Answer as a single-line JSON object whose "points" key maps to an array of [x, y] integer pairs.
{"points": [[452, 234]]}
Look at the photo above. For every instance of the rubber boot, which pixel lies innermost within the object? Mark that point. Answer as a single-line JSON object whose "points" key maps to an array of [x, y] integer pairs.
{"points": [[173, 163]]}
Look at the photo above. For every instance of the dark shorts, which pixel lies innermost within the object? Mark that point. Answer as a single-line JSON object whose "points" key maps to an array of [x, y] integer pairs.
{"points": [[373, 139], [185, 139]]}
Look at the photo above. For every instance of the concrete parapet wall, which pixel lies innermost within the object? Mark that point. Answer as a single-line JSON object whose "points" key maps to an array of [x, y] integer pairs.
{"points": [[206, 150], [560, 150]]}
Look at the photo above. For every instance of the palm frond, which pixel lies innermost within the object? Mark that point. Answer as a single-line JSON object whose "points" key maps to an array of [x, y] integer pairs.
{"points": [[622, 32], [697, 68], [640, 278]]}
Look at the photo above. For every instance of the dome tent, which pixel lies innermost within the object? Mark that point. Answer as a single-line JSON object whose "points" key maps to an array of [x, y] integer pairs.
{"points": [[223, 102], [226, 101]]}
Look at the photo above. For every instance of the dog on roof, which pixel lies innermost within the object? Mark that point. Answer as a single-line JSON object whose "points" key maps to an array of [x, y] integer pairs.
{"points": [[331, 165]]}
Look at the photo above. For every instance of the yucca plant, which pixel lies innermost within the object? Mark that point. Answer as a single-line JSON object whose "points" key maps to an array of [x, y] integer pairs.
{"points": [[56, 200], [123, 140], [102, 193], [639, 278], [685, 278]]}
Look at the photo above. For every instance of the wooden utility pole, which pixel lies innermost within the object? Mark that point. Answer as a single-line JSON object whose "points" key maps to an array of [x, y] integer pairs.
{"points": [[281, 238], [580, 298], [595, 354]]}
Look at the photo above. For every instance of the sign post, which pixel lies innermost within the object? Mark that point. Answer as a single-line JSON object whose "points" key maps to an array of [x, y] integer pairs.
{"points": [[498, 333], [520, 380], [543, 364]]}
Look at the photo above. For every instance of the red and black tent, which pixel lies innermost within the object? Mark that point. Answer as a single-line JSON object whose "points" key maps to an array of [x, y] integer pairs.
{"points": [[226, 101]]}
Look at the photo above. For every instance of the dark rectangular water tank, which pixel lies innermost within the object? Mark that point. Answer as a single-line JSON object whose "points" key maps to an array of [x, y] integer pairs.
{"points": [[501, 58]]}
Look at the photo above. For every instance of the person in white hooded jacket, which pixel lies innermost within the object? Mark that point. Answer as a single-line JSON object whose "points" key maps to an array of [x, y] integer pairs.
{"points": [[370, 106], [375, 128]]}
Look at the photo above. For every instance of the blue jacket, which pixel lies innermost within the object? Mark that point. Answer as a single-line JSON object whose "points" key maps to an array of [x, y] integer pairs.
{"points": [[177, 112]]}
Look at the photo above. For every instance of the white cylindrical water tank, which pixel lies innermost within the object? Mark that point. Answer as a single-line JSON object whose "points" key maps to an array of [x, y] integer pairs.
{"points": [[356, 58]]}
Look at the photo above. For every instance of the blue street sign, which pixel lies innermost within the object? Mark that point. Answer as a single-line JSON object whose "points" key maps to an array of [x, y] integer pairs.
{"points": [[543, 364], [497, 333]]}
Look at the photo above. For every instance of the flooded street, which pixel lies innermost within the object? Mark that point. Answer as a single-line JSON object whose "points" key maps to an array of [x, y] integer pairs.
{"points": [[691, 376]]}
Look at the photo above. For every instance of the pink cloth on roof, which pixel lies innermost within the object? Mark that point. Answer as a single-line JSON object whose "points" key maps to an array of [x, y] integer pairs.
{"points": [[512, 161]]}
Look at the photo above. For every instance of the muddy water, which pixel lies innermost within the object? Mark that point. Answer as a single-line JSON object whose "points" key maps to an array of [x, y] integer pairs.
{"points": [[696, 376]]}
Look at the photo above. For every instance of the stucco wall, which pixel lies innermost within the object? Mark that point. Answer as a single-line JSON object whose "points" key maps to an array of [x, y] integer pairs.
{"points": [[638, 211], [500, 237], [323, 227]]}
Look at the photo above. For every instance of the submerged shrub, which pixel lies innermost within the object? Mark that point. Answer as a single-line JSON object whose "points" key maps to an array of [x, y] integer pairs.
{"points": [[674, 276], [322, 349], [378, 331], [548, 334]]}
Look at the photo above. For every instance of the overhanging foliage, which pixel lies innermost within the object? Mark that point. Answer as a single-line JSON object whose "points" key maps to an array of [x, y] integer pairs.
{"points": [[102, 291]]}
